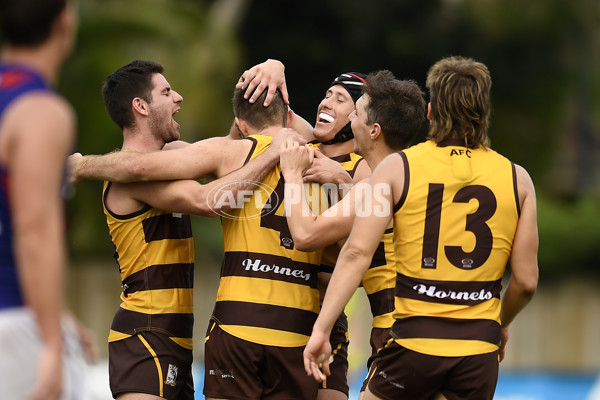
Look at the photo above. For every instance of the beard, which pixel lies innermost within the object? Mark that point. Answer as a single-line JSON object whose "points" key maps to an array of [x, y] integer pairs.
{"points": [[162, 126]]}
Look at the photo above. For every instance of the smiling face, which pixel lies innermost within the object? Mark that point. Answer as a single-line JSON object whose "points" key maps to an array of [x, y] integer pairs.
{"points": [[164, 105], [333, 112]]}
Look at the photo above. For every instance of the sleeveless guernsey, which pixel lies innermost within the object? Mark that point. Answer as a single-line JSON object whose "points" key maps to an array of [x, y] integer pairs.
{"points": [[15, 81], [268, 289], [155, 254], [454, 227], [379, 282]]}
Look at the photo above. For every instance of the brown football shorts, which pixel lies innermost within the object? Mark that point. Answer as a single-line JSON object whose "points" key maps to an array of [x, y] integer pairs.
{"points": [[150, 363], [399, 373], [379, 338], [237, 369]]}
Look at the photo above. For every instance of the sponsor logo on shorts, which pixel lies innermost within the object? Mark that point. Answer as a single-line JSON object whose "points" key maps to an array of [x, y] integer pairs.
{"points": [[385, 376], [433, 292], [256, 266], [171, 375], [221, 374]]}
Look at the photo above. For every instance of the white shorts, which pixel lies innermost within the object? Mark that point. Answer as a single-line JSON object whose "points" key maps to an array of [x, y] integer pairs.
{"points": [[19, 348]]}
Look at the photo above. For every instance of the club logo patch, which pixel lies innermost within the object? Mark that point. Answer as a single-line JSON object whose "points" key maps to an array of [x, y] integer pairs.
{"points": [[171, 375]]}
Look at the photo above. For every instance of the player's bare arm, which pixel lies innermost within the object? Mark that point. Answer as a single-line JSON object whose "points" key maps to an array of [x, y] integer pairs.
{"points": [[302, 126], [177, 144], [523, 259], [269, 74], [189, 162], [305, 226], [191, 197], [215, 156], [353, 261], [36, 162], [312, 232]]}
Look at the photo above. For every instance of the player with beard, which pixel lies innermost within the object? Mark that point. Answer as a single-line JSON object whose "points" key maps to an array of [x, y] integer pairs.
{"points": [[150, 341]]}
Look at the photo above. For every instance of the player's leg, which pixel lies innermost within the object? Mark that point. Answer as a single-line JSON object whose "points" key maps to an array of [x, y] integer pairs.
{"points": [[20, 344], [367, 395]]}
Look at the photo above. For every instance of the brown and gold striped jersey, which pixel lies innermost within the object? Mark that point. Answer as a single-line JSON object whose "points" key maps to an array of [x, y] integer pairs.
{"points": [[454, 227], [155, 254], [268, 289], [379, 282]]}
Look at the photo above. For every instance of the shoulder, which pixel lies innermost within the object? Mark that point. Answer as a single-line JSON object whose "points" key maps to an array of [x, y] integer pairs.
{"points": [[44, 108], [41, 117], [393, 166], [524, 182], [362, 170], [420, 148], [51, 101], [218, 145], [256, 144]]}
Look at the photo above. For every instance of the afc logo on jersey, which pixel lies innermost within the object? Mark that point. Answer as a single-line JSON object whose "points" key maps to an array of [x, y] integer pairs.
{"points": [[460, 152]]}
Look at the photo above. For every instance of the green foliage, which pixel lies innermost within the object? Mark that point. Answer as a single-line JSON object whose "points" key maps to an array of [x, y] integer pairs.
{"points": [[537, 52], [545, 68], [195, 43], [541, 53], [569, 237]]}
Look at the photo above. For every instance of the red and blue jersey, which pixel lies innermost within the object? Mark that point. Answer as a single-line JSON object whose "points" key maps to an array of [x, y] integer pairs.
{"points": [[14, 82]]}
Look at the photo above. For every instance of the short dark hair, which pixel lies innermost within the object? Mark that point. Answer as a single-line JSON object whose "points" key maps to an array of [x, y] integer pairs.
{"points": [[397, 106], [125, 84], [256, 114], [28, 23]]}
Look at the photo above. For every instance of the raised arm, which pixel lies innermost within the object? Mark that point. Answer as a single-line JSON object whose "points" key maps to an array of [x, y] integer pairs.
{"points": [[354, 259], [303, 127], [269, 74], [523, 259], [42, 130]]}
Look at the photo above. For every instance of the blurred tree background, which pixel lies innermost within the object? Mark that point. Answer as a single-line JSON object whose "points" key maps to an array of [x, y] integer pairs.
{"points": [[543, 56]]}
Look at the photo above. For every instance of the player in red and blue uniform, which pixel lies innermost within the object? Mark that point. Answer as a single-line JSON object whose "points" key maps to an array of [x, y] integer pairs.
{"points": [[15, 81], [41, 353]]}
